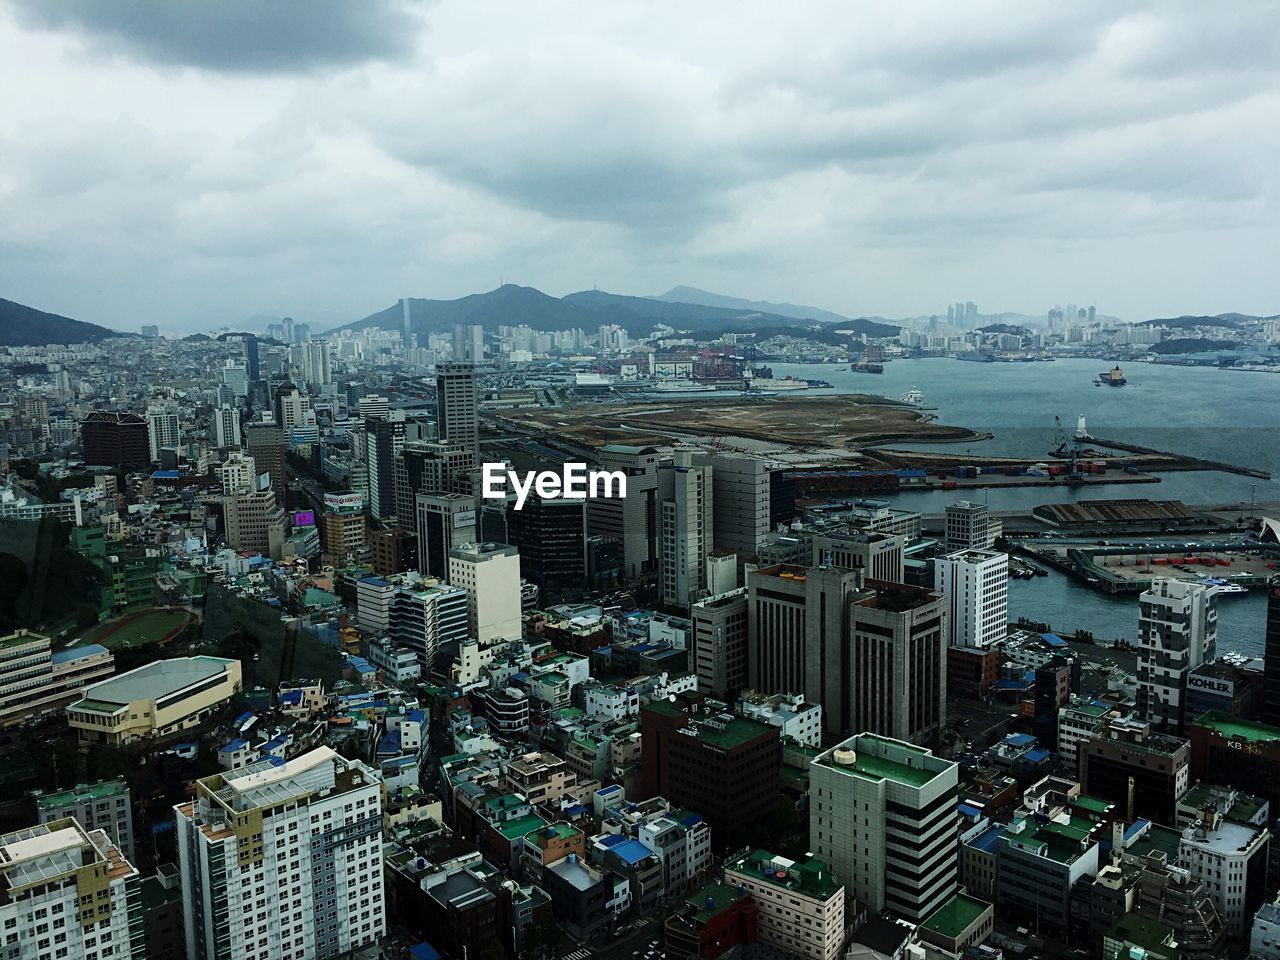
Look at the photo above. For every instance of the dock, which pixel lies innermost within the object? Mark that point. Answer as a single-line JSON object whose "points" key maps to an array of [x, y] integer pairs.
{"points": [[1180, 461]]}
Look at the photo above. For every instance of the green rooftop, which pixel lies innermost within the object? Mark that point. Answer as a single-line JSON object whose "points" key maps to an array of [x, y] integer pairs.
{"points": [[1235, 729], [1157, 839], [871, 767], [521, 826], [1151, 935], [98, 706], [810, 877], [718, 895], [1092, 804], [956, 916], [21, 639], [95, 791]]}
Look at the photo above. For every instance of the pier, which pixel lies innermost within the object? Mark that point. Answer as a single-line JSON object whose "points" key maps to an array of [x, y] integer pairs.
{"points": [[1180, 461]]}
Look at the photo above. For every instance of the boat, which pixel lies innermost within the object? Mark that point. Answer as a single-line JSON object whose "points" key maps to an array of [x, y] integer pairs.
{"points": [[1113, 377], [913, 397], [762, 385], [681, 386], [1224, 588], [865, 366]]}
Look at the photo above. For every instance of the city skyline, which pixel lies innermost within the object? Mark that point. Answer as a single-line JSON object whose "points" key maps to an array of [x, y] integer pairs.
{"points": [[882, 167]]}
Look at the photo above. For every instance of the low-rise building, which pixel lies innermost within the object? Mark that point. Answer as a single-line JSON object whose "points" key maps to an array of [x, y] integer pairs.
{"points": [[34, 679], [712, 921], [788, 712], [960, 923], [801, 905]]}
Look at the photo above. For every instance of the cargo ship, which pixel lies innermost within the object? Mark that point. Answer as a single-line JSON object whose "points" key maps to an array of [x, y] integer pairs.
{"points": [[865, 366], [1112, 378]]}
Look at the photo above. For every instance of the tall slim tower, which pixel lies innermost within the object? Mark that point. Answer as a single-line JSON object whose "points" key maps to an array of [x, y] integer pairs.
{"points": [[1177, 631], [685, 529], [458, 406], [1271, 676]]}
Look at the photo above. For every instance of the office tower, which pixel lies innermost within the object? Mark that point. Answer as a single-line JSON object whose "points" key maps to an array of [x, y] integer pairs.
{"points": [[384, 441], [1177, 631], [226, 426], [698, 755], [893, 679], [490, 574], [458, 406], [720, 639], [883, 816], [317, 364], [970, 314], [801, 904], [238, 474], [283, 861], [742, 495], [372, 405], [722, 572], [975, 584], [115, 440], [104, 806], [631, 519], [1271, 676], [265, 443], [685, 529], [967, 526], [475, 343], [254, 522], [163, 430], [442, 521], [406, 322], [69, 893], [250, 344], [428, 466], [878, 555], [291, 407], [342, 530], [551, 535], [236, 377], [459, 342]]}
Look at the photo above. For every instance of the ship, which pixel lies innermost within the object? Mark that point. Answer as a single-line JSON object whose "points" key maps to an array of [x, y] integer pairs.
{"points": [[865, 366], [1225, 588], [913, 397], [1113, 377]]}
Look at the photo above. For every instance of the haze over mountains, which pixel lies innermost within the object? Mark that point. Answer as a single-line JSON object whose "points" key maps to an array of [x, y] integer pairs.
{"points": [[23, 326]]}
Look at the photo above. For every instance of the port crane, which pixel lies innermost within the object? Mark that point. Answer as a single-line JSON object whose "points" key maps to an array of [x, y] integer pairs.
{"points": [[1069, 450]]}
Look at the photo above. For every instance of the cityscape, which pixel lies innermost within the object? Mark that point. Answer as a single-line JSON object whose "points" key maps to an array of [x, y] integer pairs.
{"points": [[360, 603]]}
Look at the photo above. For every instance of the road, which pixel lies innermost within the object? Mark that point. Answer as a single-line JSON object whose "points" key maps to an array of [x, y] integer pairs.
{"points": [[642, 942]]}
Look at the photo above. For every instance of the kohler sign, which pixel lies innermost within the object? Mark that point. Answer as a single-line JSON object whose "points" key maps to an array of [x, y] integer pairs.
{"points": [[1214, 685]]}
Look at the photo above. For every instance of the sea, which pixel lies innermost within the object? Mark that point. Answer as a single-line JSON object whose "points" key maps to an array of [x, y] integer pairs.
{"points": [[1225, 415]]}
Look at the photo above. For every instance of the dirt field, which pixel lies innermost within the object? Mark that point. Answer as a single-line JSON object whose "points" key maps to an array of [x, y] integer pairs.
{"points": [[847, 422]]}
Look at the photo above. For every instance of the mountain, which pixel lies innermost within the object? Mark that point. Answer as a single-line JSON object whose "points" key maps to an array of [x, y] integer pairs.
{"points": [[1221, 320], [588, 309], [23, 326], [683, 294]]}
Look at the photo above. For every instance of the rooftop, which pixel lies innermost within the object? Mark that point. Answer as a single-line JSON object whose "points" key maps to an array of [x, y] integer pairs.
{"points": [[84, 792], [860, 761], [1234, 729], [709, 900], [156, 680], [811, 877], [955, 916]]}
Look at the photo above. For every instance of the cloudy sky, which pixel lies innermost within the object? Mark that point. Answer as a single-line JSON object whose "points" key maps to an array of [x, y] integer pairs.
{"points": [[194, 164]]}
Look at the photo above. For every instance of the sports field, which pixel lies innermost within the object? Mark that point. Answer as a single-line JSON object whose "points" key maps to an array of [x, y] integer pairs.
{"points": [[137, 628]]}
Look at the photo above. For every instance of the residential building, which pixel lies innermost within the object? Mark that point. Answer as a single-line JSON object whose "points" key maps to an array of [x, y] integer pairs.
{"points": [[882, 814], [975, 584], [34, 680], [283, 860], [68, 893], [226, 426], [105, 806], [163, 429], [158, 700], [801, 905], [1177, 631], [720, 642]]}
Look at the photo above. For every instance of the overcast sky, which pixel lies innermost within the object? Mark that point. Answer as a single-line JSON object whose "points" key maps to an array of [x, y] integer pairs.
{"points": [[193, 164]]}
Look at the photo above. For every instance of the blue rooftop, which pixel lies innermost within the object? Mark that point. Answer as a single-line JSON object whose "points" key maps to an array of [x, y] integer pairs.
{"points": [[77, 653], [612, 840], [1019, 739], [1038, 755], [1053, 640], [424, 951], [969, 810], [292, 697], [632, 852], [987, 841]]}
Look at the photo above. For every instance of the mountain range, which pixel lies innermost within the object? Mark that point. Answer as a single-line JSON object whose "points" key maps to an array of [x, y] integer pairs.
{"points": [[513, 305], [23, 326]]}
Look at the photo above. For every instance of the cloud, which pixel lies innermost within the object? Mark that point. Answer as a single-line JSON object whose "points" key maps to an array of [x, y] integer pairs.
{"points": [[279, 36]]}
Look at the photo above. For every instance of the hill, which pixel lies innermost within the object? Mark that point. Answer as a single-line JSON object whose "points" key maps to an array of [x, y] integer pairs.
{"points": [[682, 294], [588, 309], [1220, 320], [23, 326]]}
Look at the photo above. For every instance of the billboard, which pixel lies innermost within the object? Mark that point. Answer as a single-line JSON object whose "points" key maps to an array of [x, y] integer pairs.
{"points": [[304, 518], [345, 501]]}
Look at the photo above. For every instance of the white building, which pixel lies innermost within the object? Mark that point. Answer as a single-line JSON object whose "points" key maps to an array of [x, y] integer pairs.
{"points": [[882, 814], [685, 528], [801, 904], [1230, 858], [612, 702], [163, 429], [238, 474], [283, 861], [490, 575], [226, 427], [1264, 938], [1177, 631], [788, 711], [975, 584], [68, 894]]}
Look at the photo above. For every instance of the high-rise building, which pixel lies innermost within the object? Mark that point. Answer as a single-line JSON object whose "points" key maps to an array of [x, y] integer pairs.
{"points": [[292, 407], [317, 364], [443, 521], [1271, 676], [384, 442], [115, 440], [283, 860], [551, 536], [236, 377], [882, 814], [250, 344], [685, 530], [69, 893], [879, 555], [265, 442], [1177, 632], [238, 474], [418, 616], [343, 529], [975, 584], [226, 426], [631, 519], [429, 466], [742, 498], [255, 522], [372, 405], [163, 429], [720, 635], [104, 806], [967, 526], [458, 406], [490, 574]]}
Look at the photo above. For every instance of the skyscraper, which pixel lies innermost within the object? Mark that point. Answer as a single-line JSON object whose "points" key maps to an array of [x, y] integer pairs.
{"points": [[291, 407], [226, 426], [283, 861], [457, 406], [1271, 678], [442, 521], [685, 529], [975, 584], [1177, 631], [631, 519], [384, 442], [265, 442], [317, 364], [742, 499], [163, 429], [551, 534], [250, 343]]}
